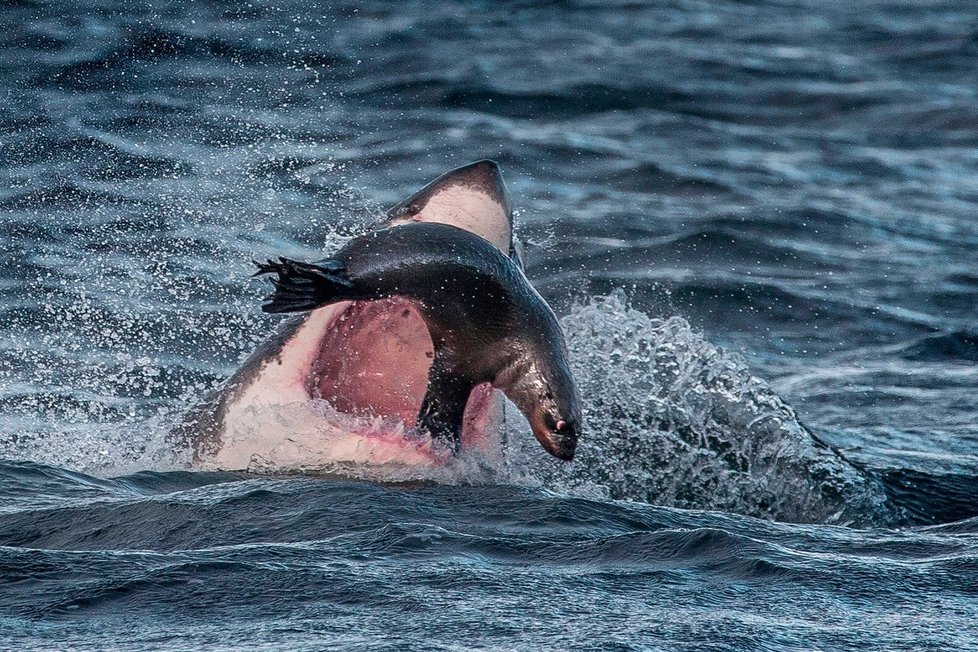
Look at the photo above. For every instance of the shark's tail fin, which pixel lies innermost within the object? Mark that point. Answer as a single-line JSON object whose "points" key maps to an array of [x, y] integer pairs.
{"points": [[304, 286]]}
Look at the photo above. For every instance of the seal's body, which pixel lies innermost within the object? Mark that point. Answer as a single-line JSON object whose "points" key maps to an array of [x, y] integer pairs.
{"points": [[487, 323]]}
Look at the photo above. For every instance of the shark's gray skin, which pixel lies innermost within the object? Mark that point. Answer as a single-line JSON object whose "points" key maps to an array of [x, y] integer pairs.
{"points": [[286, 406], [487, 323]]}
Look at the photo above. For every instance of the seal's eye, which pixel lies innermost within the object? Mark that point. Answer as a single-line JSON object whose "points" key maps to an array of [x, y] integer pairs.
{"points": [[552, 424]]}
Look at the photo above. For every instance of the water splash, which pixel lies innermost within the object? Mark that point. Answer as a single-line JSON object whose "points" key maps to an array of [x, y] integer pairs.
{"points": [[101, 449], [116, 335], [672, 419]]}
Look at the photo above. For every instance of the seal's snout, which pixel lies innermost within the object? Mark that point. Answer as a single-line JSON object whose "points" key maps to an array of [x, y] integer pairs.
{"points": [[559, 438]]}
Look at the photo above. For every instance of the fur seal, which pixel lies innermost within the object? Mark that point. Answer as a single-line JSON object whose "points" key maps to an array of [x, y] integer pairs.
{"points": [[339, 385], [487, 323]]}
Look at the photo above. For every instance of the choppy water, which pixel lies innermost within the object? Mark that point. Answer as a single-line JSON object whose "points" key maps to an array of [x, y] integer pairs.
{"points": [[756, 218]]}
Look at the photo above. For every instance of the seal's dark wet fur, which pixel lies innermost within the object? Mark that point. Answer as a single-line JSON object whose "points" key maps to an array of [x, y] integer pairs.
{"points": [[486, 321]]}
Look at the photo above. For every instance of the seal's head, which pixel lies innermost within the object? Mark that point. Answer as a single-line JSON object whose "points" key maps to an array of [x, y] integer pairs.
{"points": [[548, 399]]}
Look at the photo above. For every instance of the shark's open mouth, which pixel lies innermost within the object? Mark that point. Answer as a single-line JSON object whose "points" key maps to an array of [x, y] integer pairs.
{"points": [[373, 361], [345, 388]]}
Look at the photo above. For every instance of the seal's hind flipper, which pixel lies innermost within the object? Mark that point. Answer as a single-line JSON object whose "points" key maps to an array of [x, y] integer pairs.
{"points": [[304, 286]]}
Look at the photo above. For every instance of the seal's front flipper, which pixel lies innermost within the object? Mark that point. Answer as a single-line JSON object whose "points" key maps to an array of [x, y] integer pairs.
{"points": [[444, 403], [304, 286]]}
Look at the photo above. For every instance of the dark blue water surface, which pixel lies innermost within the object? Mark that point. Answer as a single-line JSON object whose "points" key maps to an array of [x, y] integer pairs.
{"points": [[757, 220]]}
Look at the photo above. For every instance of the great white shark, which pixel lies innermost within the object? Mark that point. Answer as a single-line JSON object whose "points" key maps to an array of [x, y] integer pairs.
{"points": [[342, 384]]}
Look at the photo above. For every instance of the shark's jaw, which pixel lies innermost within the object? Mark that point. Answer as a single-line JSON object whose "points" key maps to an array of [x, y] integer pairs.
{"points": [[345, 391], [374, 360]]}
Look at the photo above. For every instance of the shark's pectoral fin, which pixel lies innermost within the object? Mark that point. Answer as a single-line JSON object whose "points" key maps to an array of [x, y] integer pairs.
{"points": [[444, 401]]}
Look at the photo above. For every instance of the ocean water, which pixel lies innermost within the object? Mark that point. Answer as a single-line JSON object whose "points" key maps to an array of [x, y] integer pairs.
{"points": [[756, 219]]}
